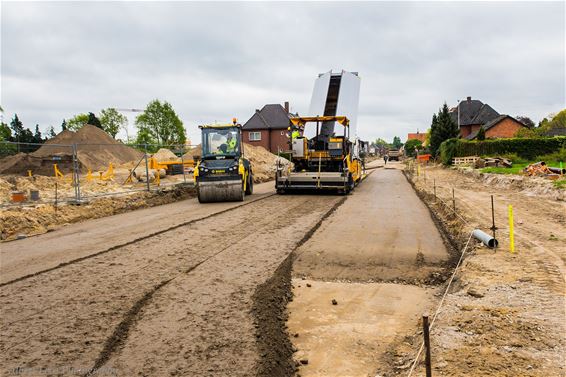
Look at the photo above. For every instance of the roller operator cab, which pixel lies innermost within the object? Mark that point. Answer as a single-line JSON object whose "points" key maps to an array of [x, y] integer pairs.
{"points": [[223, 173], [323, 162]]}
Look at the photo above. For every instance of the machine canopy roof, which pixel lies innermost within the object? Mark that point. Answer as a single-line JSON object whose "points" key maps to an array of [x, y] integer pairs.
{"points": [[300, 121], [225, 125]]}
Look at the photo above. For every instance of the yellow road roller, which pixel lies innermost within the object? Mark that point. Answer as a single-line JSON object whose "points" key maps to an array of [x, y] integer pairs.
{"points": [[223, 174]]}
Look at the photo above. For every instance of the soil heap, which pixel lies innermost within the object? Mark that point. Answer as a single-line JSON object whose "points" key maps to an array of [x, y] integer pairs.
{"points": [[264, 163], [164, 155], [95, 150]]}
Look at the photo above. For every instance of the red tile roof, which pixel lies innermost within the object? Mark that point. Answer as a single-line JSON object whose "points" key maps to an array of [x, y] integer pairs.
{"points": [[418, 136]]}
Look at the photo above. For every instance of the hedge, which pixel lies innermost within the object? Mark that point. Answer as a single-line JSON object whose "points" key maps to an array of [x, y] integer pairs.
{"points": [[526, 148]]}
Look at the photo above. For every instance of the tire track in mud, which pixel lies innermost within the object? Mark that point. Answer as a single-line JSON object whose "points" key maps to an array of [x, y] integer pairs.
{"points": [[277, 353], [132, 242], [91, 295], [121, 332], [270, 311]]}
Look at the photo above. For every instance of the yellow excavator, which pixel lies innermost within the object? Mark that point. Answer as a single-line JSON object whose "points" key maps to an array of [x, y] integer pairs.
{"points": [[223, 173], [324, 162]]}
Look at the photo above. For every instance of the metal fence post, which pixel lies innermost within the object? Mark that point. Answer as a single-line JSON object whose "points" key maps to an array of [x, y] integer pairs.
{"points": [[434, 185], [76, 175], [426, 336], [183, 165], [453, 200], [493, 227], [146, 168]]}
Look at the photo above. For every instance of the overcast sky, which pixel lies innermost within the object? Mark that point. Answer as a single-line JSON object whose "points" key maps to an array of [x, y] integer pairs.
{"points": [[214, 61]]}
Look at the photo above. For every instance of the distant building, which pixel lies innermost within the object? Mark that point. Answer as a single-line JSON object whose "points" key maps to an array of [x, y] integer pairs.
{"points": [[268, 128], [417, 136], [500, 127], [471, 115], [559, 131]]}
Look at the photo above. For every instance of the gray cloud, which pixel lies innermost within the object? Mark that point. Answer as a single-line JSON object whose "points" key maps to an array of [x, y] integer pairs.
{"points": [[213, 61]]}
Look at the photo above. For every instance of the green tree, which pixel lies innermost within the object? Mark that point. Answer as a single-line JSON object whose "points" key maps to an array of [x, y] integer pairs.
{"points": [[51, 132], [17, 128], [37, 138], [76, 122], [412, 145], [381, 143], [527, 122], [559, 120], [21, 134], [397, 142], [442, 128], [94, 121], [427, 137], [481, 134], [160, 124], [112, 121], [5, 132]]}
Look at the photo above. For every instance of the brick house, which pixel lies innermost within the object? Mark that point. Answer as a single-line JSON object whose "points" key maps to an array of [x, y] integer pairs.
{"points": [[502, 126], [471, 114], [268, 128], [417, 136]]}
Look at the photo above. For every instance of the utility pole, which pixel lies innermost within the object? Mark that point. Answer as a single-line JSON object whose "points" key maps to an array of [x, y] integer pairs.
{"points": [[458, 115]]}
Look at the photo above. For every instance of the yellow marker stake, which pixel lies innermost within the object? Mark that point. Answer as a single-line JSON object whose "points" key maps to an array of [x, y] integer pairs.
{"points": [[511, 235]]}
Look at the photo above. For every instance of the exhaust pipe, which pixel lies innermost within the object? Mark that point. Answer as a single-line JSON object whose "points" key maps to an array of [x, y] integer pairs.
{"points": [[485, 238]]}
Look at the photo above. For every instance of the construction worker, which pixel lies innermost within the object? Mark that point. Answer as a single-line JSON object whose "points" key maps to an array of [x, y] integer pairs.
{"points": [[231, 144], [295, 134]]}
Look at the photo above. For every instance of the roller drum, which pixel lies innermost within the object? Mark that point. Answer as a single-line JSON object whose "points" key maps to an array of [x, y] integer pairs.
{"points": [[223, 191]]}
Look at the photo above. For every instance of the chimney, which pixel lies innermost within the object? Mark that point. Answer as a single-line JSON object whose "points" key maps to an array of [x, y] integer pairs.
{"points": [[469, 99], [287, 107]]}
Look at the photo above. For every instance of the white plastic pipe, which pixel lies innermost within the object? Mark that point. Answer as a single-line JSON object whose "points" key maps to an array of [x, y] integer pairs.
{"points": [[487, 240]]}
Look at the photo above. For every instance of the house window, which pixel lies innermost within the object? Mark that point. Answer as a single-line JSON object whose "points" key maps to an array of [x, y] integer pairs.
{"points": [[255, 136]]}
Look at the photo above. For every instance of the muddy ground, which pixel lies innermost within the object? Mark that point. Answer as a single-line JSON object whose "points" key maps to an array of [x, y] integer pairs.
{"points": [[189, 289], [175, 303], [364, 279]]}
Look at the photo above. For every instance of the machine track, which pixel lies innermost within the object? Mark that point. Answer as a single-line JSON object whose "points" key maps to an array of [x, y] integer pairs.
{"points": [[113, 309], [132, 242]]}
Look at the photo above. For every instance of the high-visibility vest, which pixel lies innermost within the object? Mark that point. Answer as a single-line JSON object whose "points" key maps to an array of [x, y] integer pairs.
{"points": [[231, 145], [295, 134]]}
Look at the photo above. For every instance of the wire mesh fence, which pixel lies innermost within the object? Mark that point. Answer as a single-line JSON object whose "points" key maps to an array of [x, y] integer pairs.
{"points": [[32, 173]]}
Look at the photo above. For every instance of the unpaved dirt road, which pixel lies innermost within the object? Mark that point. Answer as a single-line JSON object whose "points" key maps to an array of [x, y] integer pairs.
{"points": [[35, 254], [178, 302], [383, 233]]}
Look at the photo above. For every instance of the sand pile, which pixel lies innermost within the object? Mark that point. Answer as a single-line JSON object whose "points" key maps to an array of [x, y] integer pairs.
{"points": [[196, 151], [264, 163], [164, 155], [95, 150]]}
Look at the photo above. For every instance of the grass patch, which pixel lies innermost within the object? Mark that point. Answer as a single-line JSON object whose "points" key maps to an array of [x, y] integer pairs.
{"points": [[519, 164], [516, 169], [561, 184]]}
